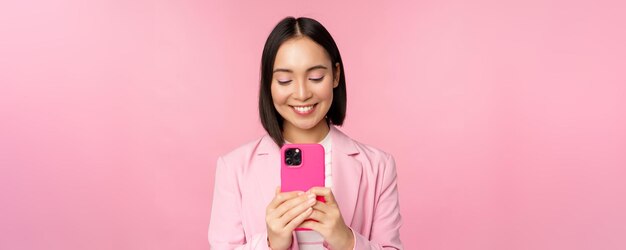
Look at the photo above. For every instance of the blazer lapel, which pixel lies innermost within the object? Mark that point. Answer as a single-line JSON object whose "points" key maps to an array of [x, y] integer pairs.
{"points": [[268, 155], [346, 173]]}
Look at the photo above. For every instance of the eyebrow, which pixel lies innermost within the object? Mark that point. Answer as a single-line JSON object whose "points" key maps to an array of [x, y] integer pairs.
{"points": [[309, 69]]}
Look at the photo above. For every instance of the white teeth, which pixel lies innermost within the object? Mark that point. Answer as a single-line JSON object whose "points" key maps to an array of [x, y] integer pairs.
{"points": [[303, 109]]}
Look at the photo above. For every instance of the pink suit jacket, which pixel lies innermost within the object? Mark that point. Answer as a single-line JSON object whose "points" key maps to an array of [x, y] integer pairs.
{"points": [[364, 183]]}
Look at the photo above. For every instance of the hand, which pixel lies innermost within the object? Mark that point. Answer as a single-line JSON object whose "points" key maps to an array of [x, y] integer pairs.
{"points": [[284, 213], [329, 222]]}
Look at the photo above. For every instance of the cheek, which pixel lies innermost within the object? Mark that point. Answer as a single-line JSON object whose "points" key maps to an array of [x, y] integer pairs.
{"points": [[279, 95], [326, 91]]}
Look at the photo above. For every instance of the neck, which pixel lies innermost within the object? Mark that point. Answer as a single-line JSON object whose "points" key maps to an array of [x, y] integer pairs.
{"points": [[315, 134]]}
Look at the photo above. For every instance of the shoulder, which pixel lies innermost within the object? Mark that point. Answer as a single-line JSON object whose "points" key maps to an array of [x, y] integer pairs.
{"points": [[365, 151], [246, 151], [375, 156], [371, 150], [375, 161]]}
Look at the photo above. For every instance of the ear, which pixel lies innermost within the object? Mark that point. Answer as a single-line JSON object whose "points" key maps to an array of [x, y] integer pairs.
{"points": [[337, 75]]}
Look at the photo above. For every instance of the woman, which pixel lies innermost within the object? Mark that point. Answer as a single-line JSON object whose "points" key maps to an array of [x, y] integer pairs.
{"points": [[302, 98]]}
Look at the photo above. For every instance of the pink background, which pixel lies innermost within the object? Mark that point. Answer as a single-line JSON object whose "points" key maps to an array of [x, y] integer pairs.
{"points": [[507, 120]]}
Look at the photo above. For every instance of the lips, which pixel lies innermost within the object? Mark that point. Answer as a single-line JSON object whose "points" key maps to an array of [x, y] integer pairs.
{"points": [[304, 110]]}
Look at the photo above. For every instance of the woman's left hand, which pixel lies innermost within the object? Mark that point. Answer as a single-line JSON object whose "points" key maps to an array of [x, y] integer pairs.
{"points": [[329, 222]]}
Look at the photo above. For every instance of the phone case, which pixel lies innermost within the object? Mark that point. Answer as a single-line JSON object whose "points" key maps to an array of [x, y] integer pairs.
{"points": [[310, 173]]}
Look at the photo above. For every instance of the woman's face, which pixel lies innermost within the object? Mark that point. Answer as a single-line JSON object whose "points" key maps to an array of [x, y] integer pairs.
{"points": [[303, 82]]}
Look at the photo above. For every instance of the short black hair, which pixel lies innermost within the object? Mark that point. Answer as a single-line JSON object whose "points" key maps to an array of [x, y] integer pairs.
{"points": [[286, 29]]}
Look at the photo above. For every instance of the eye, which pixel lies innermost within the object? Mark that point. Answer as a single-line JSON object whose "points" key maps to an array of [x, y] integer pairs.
{"points": [[318, 79], [283, 82]]}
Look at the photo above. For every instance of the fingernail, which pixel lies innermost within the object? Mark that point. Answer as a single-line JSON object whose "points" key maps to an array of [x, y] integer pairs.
{"points": [[300, 193], [311, 196], [311, 201]]}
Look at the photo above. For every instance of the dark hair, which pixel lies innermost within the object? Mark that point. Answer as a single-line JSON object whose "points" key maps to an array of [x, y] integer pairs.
{"points": [[291, 27]]}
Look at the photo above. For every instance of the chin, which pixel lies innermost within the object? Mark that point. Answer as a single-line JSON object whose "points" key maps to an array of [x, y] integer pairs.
{"points": [[304, 125]]}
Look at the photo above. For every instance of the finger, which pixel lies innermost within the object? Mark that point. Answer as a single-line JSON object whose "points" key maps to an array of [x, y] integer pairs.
{"points": [[322, 207], [318, 216], [291, 208], [324, 192], [279, 197], [295, 222]]}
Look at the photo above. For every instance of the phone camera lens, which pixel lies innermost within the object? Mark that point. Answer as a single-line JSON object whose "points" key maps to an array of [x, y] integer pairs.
{"points": [[289, 161]]}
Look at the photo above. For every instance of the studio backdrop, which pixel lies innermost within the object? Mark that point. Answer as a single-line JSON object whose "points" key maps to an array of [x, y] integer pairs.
{"points": [[507, 119]]}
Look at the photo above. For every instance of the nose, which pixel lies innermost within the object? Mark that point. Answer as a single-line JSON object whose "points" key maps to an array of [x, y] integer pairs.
{"points": [[302, 92]]}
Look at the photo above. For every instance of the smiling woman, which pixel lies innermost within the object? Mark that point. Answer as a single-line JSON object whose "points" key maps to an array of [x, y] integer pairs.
{"points": [[301, 58], [302, 97], [303, 93]]}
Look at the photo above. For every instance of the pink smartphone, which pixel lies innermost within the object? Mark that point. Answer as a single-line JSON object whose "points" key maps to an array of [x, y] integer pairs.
{"points": [[302, 167]]}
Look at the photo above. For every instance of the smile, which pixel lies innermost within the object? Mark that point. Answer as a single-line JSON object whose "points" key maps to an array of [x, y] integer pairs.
{"points": [[304, 110]]}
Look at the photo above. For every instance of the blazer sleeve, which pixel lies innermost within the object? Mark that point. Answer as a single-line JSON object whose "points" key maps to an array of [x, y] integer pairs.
{"points": [[225, 227], [385, 233]]}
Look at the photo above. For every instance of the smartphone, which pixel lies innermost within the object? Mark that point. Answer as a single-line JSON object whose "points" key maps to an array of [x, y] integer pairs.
{"points": [[302, 167]]}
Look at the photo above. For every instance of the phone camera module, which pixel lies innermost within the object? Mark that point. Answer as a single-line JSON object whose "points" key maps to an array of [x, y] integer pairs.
{"points": [[293, 157]]}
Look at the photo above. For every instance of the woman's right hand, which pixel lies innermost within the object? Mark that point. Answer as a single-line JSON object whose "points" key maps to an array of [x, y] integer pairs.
{"points": [[284, 214]]}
